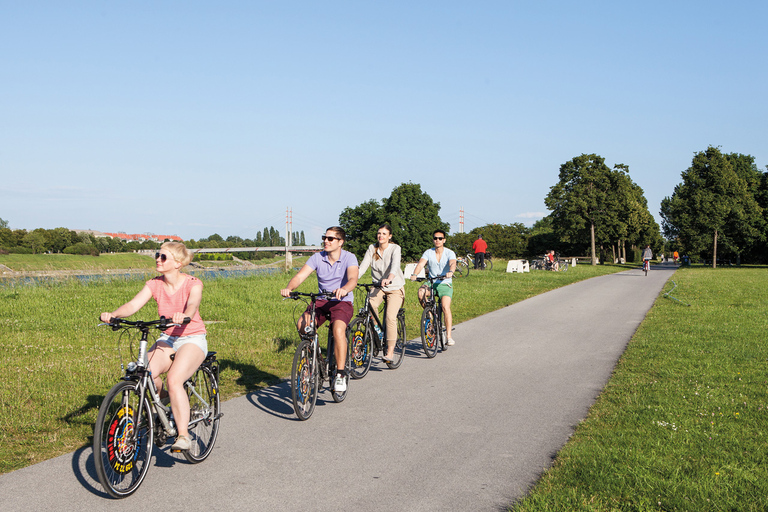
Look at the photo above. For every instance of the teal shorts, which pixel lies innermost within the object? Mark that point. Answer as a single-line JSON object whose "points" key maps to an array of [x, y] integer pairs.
{"points": [[443, 290]]}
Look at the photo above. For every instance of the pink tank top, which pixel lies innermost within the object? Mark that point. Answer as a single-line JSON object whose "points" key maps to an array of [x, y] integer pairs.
{"points": [[167, 304]]}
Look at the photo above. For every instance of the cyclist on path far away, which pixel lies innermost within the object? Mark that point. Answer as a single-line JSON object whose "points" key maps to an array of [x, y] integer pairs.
{"points": [[647, 254]]}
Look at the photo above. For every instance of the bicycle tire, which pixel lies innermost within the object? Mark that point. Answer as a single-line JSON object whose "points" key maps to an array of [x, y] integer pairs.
{"points": [[488, 264], [122, 443], [337, 397], [429, 334], [442, 331], [462, 268], [562, 265], [304, 380], [360, 347], [204, 414], [400, 344]]}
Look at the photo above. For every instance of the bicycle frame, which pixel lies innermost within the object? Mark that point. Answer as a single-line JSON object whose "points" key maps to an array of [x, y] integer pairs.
{"points": [[309, 365], [433, 304], [139, 371], [132, 416], [371, 316]]}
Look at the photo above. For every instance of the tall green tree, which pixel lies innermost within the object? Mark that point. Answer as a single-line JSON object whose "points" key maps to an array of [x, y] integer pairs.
{"points": [[3, 223], [579, 200], [361, 223], [36, 240], [712, 206], [413, 216], [411, 212]]}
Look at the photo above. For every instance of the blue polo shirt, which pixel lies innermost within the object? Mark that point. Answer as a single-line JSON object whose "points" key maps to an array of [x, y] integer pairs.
{"points": [[332, 276]]}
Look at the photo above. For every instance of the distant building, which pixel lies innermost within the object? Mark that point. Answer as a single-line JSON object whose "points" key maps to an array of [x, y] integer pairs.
{"points": [[131, 237]]}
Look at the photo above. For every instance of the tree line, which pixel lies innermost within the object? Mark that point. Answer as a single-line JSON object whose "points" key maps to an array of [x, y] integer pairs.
{"points": [[594, 207], [65, 241], [718, 212]]}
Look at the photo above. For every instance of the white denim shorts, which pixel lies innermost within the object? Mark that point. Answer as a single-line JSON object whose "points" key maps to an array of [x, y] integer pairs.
{"points": [[176, 342]]}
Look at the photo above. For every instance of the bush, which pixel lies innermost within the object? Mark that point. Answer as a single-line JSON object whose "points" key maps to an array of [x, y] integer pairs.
{"points": [[212, 256], [82, 249], [20, 250]]}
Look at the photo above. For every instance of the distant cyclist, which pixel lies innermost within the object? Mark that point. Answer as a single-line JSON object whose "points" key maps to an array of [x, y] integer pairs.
{"points": [[647, 255]]}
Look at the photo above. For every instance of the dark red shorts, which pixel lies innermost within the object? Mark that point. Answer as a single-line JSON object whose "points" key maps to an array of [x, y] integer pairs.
{"points": [[335, 310]]}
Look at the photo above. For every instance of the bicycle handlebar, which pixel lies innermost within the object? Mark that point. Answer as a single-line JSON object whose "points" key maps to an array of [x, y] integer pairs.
{"points": [[162, 324], [368, 286], [428, 278], [311, 295]]}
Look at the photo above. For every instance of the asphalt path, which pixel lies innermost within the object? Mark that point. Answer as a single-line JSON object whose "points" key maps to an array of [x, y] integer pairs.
{"points": [[471, 429]]}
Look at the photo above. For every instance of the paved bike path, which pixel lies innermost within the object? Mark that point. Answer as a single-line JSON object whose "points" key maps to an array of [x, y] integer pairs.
{"points": [[471, 429]]}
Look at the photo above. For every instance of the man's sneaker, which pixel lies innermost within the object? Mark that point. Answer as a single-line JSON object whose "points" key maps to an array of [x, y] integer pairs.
{"points": [[182, 444], [450, 342], [340, 385]]}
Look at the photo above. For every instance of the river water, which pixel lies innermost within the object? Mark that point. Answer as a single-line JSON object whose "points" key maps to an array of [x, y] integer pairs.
{"points": [[37, 278]]}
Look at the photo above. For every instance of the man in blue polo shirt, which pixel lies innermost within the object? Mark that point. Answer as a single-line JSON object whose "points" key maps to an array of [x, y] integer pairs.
{"points": [[337, 272]]}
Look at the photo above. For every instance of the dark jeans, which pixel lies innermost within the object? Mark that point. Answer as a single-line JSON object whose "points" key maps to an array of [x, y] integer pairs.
{"points": [[479, 260]]}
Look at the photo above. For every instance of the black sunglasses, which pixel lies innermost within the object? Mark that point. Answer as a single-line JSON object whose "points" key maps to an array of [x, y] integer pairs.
{"points": [[162, 257], [438, 238], [330, 238]]}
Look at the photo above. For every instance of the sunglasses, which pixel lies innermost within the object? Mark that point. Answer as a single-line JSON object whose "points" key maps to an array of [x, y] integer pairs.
{"points": [[330, 238], [162, 257], [438, 238]]}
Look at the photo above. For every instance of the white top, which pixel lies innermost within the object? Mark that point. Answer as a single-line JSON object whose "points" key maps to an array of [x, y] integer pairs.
{"points": [[387, 263]]}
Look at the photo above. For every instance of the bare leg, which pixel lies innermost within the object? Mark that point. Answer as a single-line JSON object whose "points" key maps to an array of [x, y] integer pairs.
{"points": [[186, 361]]}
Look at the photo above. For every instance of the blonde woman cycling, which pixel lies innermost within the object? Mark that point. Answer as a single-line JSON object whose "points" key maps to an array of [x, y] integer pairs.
{"points": [[178, 296]]}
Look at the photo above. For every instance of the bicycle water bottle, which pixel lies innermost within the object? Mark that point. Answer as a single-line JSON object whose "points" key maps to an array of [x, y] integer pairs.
{"points": [[379, 333]]}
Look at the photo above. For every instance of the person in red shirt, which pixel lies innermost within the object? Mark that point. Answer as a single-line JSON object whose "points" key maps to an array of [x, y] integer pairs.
{"points": [[480, 247], [178, 296]]}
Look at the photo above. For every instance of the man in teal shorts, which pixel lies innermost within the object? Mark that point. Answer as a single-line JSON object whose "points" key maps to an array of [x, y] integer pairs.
{"points": [[439, 261]]}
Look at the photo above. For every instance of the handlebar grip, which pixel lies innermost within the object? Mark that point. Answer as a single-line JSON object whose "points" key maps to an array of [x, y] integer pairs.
{"points": [[186, 320]]}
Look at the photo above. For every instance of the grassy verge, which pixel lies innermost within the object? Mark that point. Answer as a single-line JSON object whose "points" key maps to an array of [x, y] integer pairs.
{"points": [[107, 262], [57, 365], [682, 424], [51, 262]]}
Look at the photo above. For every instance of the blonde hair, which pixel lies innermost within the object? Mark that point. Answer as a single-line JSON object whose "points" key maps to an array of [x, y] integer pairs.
{"points": [[179, 252]]}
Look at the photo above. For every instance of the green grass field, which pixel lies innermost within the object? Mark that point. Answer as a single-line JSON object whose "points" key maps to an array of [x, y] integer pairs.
{"points": [[682, 424], [58, 364], [54, 262]]}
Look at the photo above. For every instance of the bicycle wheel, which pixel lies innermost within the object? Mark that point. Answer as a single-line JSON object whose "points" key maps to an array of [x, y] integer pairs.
{"points": [[462, 268], [304, 380], [338, 397], [562, 265], [122, 441], [429, 334], [204, 414], [360, 348], [488, 263], [402, 340]]}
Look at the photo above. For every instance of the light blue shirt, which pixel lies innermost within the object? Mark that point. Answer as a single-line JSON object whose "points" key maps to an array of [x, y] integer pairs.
{"points": [[437, 268]]}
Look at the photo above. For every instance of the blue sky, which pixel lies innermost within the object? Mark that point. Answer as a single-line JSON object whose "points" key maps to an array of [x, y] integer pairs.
{"points": [[194, 118]]}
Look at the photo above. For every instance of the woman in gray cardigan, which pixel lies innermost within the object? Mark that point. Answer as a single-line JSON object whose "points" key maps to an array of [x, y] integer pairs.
{"points": [[384, 259]]}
